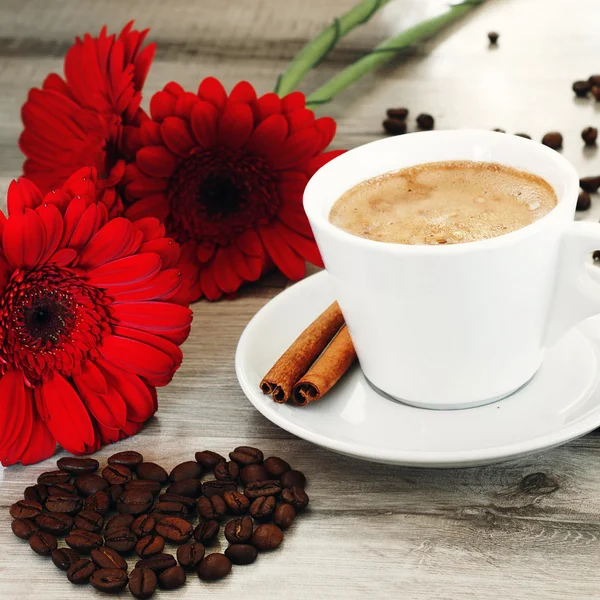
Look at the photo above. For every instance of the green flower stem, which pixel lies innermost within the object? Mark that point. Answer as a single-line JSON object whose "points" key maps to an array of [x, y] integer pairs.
{"points": [[317, 49], [387, 50]]}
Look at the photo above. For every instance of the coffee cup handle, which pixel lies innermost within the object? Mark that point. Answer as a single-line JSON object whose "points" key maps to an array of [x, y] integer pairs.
{"points": [[577, 295]]}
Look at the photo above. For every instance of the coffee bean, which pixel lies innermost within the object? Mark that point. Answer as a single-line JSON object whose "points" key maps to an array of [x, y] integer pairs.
{"points": [[90, 483], [190, 555], [83, 541], [43, 543], [135, 502], [186, 470], [142, 582], [90, 521], [116, 474], [581, 88], [262, 508], [396, 113], [151, 471], [596, 92], [425, 122], [98, 502], [284, 515], [211, 508], [293, 479], [241, 554], [174, 529], [191, 488], [589, 136], [63, 558], [36, 493], [209, 459], [267, 537], [128, 458], [146, 485], [23, 528], [157, 563], [246, 455], [54, 522], [253, 473], [143, 525], [295, 496], [269, 487], [217, 488], [149, 545], [107, 558], [109, 580], [237, 503], [172, 578], [81, 571], [276, 467], [77, 466], [523, 135], [214, 566], [169, 509], [25, 509], [394, 126], [227, 471], [553, 140], [70, 505], [52, 477], [584, 201], [590, 184], [189, 503], [239, 530], [120, 522], [206, 532], [122, 540], [493, 37], [114, 493], [61, 489]]}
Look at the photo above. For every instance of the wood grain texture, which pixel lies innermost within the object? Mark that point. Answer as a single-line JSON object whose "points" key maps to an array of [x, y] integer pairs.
{"points": [[523, 530]]}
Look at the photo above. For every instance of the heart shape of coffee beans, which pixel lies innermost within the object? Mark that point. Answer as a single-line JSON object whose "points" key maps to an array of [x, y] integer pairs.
{"points": [[124, 511]]}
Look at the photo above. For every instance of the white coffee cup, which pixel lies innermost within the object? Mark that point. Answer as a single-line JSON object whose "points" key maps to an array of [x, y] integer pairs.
{"points": [[459, 325]]}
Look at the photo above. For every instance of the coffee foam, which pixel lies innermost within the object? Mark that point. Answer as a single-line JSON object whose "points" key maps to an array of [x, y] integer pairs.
{"points": [[447, 202]]}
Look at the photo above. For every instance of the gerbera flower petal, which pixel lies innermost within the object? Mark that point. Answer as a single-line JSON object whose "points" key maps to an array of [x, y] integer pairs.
{"points": [[53, 226], [166, 248], [131, 269], [158, 342], [235, 126], [267, 138], [315, 163], [297, 148], [208, 284], [292, 102], [12, 408], [9, 455], [304, 246], [242, 92], [150, 133], [156, 160], [162, 286], [134, 392], [211, 90], [204, 124], [225, 275], [290, 263], [161, 318], [295, 218], [249, 243], [22, 194], [115, 240], [156, 205], [24, 239], [249, 268], [68, 420], [41, 444], [267, 105], [140, 185], [185, 104], [176, 135], [148, 362]]}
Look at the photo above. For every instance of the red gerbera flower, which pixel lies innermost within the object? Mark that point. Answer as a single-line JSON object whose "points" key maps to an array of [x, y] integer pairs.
{"points": [[88, 118], [226, 174], [87, 325]]}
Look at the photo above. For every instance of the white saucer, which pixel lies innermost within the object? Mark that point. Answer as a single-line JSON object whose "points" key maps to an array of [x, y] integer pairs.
{"points": [[560, 403]]}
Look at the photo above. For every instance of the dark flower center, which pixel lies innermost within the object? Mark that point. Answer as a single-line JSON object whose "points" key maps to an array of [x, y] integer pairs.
{"points": [[49, 316], [51, 321], [217, 194]]}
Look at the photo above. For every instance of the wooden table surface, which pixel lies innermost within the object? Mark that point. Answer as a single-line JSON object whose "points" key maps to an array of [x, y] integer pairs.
{"points": [[372, 531]]}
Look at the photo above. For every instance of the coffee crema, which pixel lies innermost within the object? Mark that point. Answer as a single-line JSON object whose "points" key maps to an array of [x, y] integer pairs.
{"points": [[449, 202]]}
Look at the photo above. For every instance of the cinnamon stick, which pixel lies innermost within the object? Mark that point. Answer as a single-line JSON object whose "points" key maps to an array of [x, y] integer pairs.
{"points": [[297, 359], [327, 370]]}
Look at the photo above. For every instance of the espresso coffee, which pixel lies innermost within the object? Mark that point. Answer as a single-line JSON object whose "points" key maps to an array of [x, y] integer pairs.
{"points": [[448, 202]]}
